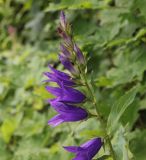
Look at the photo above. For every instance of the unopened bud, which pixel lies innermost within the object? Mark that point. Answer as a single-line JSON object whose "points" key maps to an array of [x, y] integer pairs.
{"points": [[80, 56]]}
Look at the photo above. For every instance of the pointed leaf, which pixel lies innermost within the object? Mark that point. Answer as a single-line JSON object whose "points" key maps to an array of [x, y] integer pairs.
{"points": [[119, 108]]}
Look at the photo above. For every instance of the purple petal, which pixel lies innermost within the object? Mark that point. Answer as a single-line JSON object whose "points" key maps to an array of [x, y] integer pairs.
{"points": [[73, 149], [72, 95], [92, 146], [55, 121], [53, 77], [69, 112], [66, 94], [59, 73], [95, 141], [75, 114], [54, 90], [87, 150], [67, 64], [81, 157], [80, 153], [59, 76], [64, 51]]}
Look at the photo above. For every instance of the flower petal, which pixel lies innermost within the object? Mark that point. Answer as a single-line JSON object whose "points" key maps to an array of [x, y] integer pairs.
{"points": [[59, 77], [95, 141], [87, 150], [72, 95], [81, 157], [73, 149], [55, 121], [66, 94], [59, 73], [92, 147], [69, 112], [54, 90]]}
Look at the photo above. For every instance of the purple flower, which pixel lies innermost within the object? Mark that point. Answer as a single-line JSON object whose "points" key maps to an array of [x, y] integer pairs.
{"points": [[66, 94], [67, 113], [59, 77], [87, 150]]}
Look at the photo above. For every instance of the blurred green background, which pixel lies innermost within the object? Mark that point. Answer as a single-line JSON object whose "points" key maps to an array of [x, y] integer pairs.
{"points": [[111, 33]]}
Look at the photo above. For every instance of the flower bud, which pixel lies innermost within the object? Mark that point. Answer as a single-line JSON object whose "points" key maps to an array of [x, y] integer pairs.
{"points": [[65, 51], [63, 20], [68, 65], [80, 56]]}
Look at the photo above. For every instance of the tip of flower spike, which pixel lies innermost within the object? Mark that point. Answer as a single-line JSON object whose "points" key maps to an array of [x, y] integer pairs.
{"points": [[61, 12], [62, 20], [65, 28], [62, 15]]}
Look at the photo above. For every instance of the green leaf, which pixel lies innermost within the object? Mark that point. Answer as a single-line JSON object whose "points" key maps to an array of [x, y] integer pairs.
{"points": [[121, 146], [4, 153], [9, 126], [119, 108], [131, 114], [128, 68], [32, 125], [138, 144], [141, 33], [75, 4], [86, 129], [142, 7], [105, 157]]}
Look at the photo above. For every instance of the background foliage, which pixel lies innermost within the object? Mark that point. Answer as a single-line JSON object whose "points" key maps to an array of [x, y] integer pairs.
{"points": [[112, 34]]}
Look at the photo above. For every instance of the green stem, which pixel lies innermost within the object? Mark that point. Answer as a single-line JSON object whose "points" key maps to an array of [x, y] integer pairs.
{"points": [[94, 101], [111, 147]]}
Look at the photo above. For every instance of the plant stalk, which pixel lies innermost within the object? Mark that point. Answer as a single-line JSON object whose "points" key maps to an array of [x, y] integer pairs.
{"points": [[94, 101]]}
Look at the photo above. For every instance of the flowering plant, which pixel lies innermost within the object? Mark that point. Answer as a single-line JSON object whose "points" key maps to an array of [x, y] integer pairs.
{"points": [[69, 100]]}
